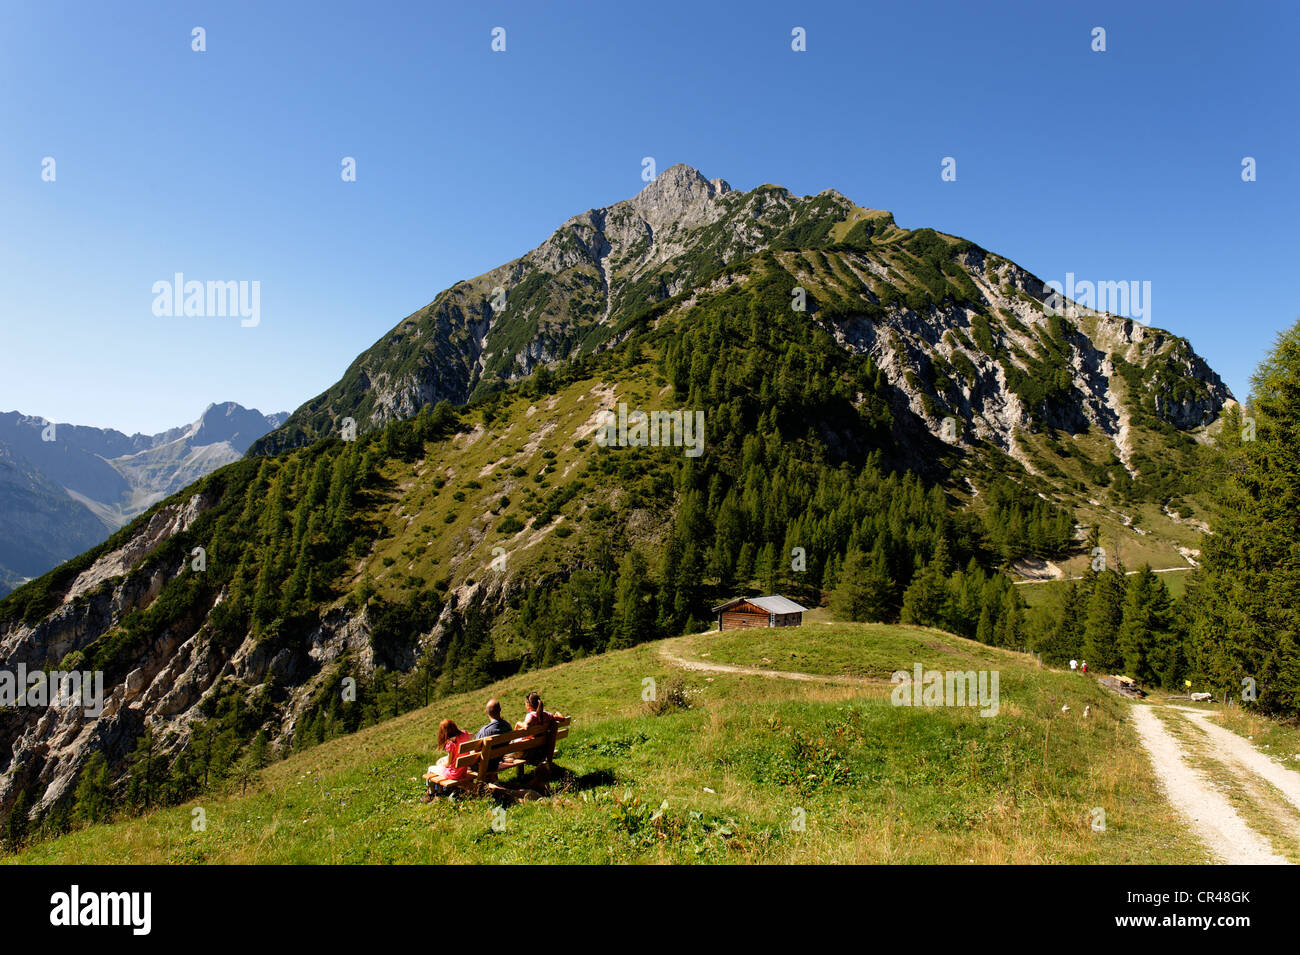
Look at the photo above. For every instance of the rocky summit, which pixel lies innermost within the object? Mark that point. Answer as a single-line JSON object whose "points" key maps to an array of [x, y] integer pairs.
{"points": [[959, 332]]}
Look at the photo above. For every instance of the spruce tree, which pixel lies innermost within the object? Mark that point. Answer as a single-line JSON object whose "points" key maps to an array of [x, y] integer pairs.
{"points": [[1245, 633], [864, 592], [1146, 627], [1102, 620]]}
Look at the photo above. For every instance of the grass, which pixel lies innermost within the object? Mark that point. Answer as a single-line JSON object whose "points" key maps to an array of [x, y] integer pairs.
{"points": [[755, 770], [1279, 740], [844, 649]]}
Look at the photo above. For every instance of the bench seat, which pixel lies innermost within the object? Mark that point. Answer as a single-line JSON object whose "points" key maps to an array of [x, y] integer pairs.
{"points": [[510, 750]]}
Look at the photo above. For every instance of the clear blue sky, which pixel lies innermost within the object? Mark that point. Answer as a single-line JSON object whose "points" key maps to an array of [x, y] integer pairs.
{"points": [[225, 164]]}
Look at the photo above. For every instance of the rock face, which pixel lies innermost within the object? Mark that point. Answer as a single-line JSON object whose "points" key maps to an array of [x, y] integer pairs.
{"points": [[912, 347], [60, 497]]}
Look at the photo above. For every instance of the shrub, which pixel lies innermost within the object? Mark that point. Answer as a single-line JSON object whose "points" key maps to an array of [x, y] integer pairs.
{"points": [[510, 525], [674, 696]]}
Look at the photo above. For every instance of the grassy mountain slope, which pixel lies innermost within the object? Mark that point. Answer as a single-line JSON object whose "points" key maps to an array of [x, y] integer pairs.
{"points": [[1092, 406], [876, 782]]}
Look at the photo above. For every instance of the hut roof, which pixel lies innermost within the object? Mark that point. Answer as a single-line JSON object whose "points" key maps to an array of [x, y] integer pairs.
{"points": [[772, 604]]}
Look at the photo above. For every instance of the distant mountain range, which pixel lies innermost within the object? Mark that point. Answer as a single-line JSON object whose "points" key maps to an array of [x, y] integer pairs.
{"points": [[59, 497]]}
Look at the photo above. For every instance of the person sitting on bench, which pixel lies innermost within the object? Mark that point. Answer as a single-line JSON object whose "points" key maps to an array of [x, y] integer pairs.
{"points": [[536, 719], [450, 736], [535, 715], [495, 726]]}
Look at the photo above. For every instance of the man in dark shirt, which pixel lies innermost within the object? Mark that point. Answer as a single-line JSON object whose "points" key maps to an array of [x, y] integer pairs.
{"points": [[495, 725]]}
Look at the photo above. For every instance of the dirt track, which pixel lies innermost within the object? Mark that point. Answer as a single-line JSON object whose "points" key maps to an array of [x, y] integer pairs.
{"points": [[705, 667], [1207, 810]]}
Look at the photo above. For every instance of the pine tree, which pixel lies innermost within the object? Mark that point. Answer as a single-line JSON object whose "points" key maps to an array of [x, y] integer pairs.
{"points": [[1062, 637], [93, 797], [141, 779], [1102, 620], [1246, 597], [1009, 630], [633, 612], [15, 827], [1146, 625], [865, 591], [925, 601]]}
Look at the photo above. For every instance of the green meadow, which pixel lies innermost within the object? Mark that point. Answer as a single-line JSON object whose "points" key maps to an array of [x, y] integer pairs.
{"points": [[738, 768]]}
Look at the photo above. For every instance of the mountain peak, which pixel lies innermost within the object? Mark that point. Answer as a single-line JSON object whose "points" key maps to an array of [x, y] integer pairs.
{"points": [[231, 422], [680, 175], [679, 186], [673, 192]]}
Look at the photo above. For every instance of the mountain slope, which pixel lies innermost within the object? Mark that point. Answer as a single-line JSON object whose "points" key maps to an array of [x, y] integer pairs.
{"points": [[559, 300], [40, 525], [957, 330]]}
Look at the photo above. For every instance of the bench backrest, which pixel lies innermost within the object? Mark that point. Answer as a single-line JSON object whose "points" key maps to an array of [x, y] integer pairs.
{"points": [[511, 742]]}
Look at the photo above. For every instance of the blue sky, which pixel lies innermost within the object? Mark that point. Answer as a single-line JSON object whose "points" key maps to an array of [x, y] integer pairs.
{"points": [[225, 165]]}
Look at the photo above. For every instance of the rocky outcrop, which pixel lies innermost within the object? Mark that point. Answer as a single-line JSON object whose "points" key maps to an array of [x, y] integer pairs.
{"points": [[909, 346]]}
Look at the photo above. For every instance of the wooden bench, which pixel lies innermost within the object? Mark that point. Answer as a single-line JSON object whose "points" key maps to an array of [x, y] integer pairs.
{"points": [[512, 749]]}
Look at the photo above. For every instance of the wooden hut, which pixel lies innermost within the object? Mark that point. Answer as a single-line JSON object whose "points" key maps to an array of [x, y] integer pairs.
{"points": [[745, 612]]}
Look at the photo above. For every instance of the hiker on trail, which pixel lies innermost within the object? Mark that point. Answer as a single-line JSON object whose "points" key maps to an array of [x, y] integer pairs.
{"points": [[1074, 664], [1084, 666], [450, 738]]}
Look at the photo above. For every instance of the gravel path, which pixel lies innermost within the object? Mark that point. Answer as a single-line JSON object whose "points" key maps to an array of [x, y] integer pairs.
{"points": [[705, 667], [1206, 809], [1240, 750]]}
